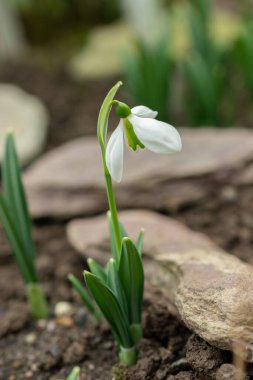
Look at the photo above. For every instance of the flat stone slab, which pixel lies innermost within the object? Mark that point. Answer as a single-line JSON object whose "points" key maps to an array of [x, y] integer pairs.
{"points": [[212, 290], [68, 181], [27, 117]]}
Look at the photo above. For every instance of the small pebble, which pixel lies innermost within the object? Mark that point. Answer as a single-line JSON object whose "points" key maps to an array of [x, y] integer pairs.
{"points": [[63, 309], [34, 367], [17, 364], [29, 374], [42, 323], [229, 194], [65, 322], [30, 338], [107, 345], [51, 326], [91, 366], [80, 317]]}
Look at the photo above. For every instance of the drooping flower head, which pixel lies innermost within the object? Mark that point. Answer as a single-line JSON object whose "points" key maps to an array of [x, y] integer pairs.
{"points": [[139, 128]]}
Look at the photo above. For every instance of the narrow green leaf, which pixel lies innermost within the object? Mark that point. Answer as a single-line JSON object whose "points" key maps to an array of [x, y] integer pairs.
{"points": [[14, 195], [104, 114], [84, 295], [140, 240], [110, 308], [26, 265], [74, 374], [131, 277], [97, 270], [114, 284]]}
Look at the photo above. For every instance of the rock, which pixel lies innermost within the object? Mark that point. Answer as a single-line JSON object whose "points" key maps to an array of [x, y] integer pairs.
{"points": [[229, 372], [99, 58], [65, 321], [87, 234], [68, 181], [212, 290], [30, 338], [27, 117], [63, 309]]}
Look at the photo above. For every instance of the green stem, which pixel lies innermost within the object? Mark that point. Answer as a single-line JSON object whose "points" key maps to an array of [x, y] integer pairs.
{"points": [[136, 332], [37, 300], [112, 206], [128, 356]]}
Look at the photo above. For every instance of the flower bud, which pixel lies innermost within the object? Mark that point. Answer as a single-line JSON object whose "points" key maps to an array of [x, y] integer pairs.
{"points": [[122, 109]]}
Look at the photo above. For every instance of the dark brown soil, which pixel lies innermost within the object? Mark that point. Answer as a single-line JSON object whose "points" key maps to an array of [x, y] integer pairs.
{"points": [[48, 350]]}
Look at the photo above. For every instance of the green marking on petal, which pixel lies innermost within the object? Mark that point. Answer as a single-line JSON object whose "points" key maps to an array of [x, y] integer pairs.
{"points": [[131, 137]]}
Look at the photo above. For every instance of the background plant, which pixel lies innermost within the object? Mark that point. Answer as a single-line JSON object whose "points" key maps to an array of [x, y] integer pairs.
{"points": [[149, 73], [16, 221], [74, 375], [205, 70], [243, 56]]}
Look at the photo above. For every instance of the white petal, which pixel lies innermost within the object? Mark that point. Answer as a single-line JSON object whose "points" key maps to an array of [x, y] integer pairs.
{"points": [[157, 136], [143, 111], [114, 153]]}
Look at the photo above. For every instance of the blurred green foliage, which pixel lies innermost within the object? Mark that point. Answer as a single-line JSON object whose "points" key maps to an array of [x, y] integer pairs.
{"points": [[148, 76], [243, 56], [207, 83], [205, 71], [215, 76]]}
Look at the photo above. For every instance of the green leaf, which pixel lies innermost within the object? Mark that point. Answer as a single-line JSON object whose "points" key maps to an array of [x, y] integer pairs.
{"points": [[104, 115], [110, 308], [123, 234], [140, 240], [26, 265], [131, 277], [97, 270], [114, 284], [14, 195], [74, 375], [84, 295]]}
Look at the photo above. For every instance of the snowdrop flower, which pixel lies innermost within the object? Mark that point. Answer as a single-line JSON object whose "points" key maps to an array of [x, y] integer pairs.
{"points": [[139, 128]]}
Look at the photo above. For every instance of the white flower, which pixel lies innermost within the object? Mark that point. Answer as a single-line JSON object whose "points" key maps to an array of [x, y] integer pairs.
{"points": [[140, 129]]}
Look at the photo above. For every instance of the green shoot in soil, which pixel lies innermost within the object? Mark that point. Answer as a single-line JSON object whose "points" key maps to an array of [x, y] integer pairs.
{"points": [[16, 221]]}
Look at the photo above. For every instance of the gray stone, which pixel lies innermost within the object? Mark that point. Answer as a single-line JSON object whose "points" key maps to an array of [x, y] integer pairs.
{"points": [[27, 117], [212, 290], [68, 181]]}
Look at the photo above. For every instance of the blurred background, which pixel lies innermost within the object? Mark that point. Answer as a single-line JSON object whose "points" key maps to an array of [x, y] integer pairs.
{"points": [[192, 61]]}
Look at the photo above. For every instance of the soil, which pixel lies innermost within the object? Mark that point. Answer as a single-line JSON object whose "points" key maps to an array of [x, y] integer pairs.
{"points": [[48, 350]]}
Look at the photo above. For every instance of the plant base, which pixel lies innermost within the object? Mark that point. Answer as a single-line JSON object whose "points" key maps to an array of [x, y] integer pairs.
{"points": [[128, 356], [37, 301]]}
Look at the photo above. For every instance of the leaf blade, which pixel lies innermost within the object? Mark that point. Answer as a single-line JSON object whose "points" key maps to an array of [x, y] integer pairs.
{"points": [[110, 308], [131, 276]]}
